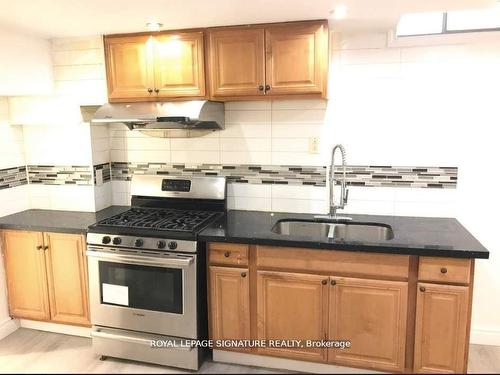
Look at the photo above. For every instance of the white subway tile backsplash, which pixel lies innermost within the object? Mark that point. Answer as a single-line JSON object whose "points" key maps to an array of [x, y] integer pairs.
{"points": [[302, 192], [250, 117], [309, 104], [234, 130], [187, 156], [290, 144], [195, 144], [245, 157], [249, 203], [249, 190], [294, 116], [246, 144], [299, 205], [253, 105]]}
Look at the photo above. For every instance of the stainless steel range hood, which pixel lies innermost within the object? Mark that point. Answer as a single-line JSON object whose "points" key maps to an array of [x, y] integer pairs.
{"points": [[193, 115]]}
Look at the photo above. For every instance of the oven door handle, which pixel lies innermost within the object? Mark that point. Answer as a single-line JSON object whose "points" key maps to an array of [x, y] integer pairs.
{"points": [[131, 259]]}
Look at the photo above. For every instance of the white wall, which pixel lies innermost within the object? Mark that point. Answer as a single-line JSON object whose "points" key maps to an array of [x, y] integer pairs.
{"points": [[25, 65]]}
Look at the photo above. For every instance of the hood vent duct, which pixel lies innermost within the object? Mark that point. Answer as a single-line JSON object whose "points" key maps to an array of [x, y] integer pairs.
{"points": [[165, 119]]}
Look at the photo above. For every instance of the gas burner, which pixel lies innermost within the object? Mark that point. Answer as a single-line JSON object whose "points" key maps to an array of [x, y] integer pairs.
{"points": [[159, 219]]}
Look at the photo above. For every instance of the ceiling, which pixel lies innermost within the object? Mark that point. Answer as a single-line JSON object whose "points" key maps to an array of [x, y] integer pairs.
{"points": [[66, 18]]}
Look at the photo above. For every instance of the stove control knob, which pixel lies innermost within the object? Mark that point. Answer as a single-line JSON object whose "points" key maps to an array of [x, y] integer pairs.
{"points": [[161, 244], [139, 242], [172, 245], [106, 240], [117, 241]]}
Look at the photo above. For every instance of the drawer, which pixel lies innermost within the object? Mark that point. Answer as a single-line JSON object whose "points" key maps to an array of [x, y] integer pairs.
{"points": [[333, 262], [447, 270], [228, 253]]}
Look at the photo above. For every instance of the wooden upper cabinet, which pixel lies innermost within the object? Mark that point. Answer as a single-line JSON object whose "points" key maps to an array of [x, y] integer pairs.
{"points": [[26, 276], [67, 278], [236, 62], [292, 306], [372, 315], [296, 58], [129, 67], [229, 303], [441, 337], [179, 65]]}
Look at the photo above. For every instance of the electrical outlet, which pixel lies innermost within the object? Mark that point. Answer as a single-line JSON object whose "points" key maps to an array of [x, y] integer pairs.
{"points": [[314, 145]]}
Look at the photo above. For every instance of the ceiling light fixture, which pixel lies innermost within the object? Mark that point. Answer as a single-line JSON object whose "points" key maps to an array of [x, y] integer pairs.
{"points": [[339, 12], [154, 26]]}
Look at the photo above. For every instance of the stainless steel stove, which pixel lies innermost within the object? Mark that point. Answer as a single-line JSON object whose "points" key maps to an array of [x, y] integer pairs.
{"points": [[147, 270]]}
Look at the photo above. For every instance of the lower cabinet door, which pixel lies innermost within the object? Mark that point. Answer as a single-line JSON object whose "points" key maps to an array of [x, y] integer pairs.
{"points": [[441, 342], [26, 276], [292, 306], [67, 278], [229, 303], [371, 314]]}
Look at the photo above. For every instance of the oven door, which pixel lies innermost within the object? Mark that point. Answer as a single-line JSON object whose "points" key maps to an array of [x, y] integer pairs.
{"points": [[153, 293]]}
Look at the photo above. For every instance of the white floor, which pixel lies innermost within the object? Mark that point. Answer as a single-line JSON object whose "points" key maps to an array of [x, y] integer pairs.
{"points": [[30, 351]]}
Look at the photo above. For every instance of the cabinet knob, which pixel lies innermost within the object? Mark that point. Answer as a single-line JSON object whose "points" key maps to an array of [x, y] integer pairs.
{"points": [[422, 289], [333, 282], [268, 87], [261, 88], [39, 247], [226, 254], [324, 282], [45, 248], [444, 270], [157, 90], [243, 274], [150, 90]]}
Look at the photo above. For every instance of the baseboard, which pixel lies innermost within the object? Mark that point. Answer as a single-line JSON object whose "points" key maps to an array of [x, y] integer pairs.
{"points": [[483, 336], [284, 364], [65, 329], [7, 327]]}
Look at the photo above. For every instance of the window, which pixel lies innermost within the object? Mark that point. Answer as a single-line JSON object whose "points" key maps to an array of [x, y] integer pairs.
{"points": [[449, 22]]}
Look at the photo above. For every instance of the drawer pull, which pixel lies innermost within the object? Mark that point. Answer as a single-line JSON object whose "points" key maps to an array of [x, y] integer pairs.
{"points": [[243, 274], [226, 254], [422, 289], [324, 282], [333, 282], [444, 270]]}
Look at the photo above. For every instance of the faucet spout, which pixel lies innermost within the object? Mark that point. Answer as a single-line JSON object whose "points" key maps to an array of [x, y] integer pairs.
{"points": [[344, 193]]}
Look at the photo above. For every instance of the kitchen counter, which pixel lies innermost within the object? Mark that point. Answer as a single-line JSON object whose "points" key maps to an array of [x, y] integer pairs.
{"points": [[57, 221], [440, 237]]}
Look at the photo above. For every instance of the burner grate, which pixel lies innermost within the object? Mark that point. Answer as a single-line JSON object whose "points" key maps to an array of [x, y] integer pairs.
{"points": [[159, 219]]}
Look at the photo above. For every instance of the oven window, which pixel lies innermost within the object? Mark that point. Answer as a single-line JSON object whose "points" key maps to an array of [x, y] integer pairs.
{"points": [[141, 287]]}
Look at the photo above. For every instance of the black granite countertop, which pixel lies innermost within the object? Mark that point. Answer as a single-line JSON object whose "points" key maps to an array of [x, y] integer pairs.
{"points": [[57, 221], [443, 237]]}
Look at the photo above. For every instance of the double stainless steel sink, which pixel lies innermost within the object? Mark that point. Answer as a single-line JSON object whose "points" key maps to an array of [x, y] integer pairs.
{"points": [[346, 231]]}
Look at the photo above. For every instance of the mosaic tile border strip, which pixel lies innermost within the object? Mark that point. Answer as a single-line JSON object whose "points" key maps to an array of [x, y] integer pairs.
{"points": [[60, 174], [106, 172], [370, 176], [12, 177]]}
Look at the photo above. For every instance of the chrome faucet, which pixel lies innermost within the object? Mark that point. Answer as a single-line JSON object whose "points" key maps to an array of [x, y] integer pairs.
{"points": [[344, 192]]}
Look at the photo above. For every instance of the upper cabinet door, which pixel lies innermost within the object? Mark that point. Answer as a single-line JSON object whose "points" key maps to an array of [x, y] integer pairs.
{"points": [[129, 67], [236, 62], [296, 59], [26, 275], [179, 65]]}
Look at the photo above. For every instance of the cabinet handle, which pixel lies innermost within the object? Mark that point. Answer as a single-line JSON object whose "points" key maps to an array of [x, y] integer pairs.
{"points": [[444, 270], [150, 90], [157, 90], [422, 289], [39, 247], [226, 254], [45, 248], [333, 282], [261, 88], [268, 88], [324, 282], [243, 274]]}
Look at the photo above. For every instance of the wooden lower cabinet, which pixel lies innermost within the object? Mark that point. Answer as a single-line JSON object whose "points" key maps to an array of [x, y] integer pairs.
{"points": [[441, 337], [67, 278], [26, 277], [229, 303], [46, 276], [394, 319], [292, 306], [371, 314]]}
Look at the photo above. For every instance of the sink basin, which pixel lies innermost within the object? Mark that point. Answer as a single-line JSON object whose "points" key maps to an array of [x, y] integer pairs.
{"points": [[370, 232]]}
